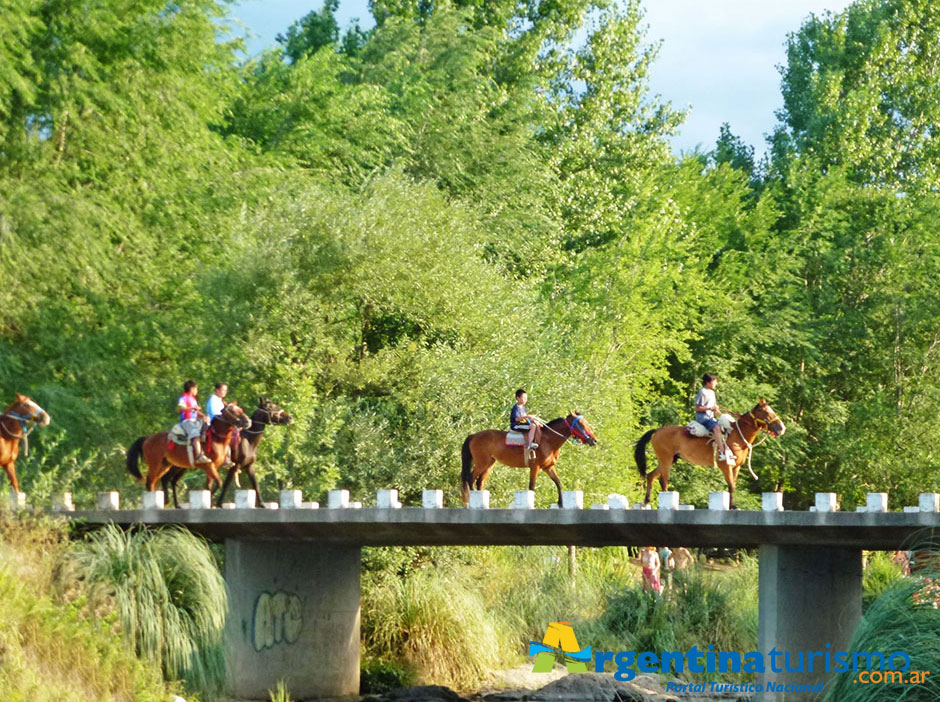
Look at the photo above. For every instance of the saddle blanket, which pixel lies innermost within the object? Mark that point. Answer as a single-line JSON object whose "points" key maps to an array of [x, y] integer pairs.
{"points": [[515, 438], [177, 435], [724, 421]]}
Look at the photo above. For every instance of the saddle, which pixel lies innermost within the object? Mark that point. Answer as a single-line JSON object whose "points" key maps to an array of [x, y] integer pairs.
{"points": [[695, 429], [515, 438], [177, 435]]}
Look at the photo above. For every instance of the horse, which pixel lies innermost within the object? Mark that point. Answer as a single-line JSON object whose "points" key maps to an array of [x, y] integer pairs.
{"points": [[671, 442], [160, 454], [480, 452], [16, 423], [244, 451]]}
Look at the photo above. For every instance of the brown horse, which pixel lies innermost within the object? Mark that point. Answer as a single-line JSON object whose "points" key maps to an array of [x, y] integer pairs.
{"points": [[672, 442], [482, 450], [160, 454], [244, 451], [16, 422]]}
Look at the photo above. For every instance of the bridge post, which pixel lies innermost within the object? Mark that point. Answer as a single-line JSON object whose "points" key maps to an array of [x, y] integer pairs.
{"points": [[293, 616], [810, 596]]}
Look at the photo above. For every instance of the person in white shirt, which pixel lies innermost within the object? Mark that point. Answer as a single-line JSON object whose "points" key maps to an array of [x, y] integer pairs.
{"points": [[707, 413], [215, 403]]}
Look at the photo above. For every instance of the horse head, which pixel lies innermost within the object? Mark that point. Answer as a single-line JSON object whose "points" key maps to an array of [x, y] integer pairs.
{"points": [[235, 416], [579, 429], [765, 418], [26, 410], [275, 415]]}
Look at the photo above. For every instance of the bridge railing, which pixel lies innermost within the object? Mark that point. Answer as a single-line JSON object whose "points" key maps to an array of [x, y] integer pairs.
{"points": [[479, 499]]}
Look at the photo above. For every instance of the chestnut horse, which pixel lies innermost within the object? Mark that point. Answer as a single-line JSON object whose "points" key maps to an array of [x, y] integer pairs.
{"points": [[160, 454], [244, 451], [16, 422], [482, 450], [671, 442]]}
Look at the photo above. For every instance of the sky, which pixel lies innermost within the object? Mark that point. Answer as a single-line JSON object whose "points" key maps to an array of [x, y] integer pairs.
{"points": [[718, 58]]}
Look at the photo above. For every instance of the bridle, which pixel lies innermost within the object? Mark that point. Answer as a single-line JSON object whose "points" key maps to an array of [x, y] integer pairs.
{"points": [[273, 418], [226, 416], [27, 423], [759, 424], [575, 431]]}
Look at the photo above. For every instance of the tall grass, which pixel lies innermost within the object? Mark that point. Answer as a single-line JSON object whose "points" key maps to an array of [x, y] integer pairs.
{"points": [[169, 596], [436, 623], [880, 574], [53, 652], [704, 608], [456, 627], [904, 618]]}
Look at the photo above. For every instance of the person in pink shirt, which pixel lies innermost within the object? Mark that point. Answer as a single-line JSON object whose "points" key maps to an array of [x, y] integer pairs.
{"points": [[192, 419]]}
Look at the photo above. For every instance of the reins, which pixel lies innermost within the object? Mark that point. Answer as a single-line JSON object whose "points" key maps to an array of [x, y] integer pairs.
{"points": [[264, 424], [750, 446], [27, 425]]}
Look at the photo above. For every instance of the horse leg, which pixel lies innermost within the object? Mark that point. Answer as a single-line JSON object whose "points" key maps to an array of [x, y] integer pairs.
{"points": [[213, 480], [661, 472], [173, 481], [727, 471], [533, 473], [10, 468], [254, 483], [157, 466], [228, 481], [553, 474], [165, 485], [665, 457], [481, 472]]}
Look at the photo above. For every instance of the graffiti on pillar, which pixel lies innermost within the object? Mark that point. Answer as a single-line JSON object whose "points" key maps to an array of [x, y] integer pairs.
{"points": [[278, 618]]}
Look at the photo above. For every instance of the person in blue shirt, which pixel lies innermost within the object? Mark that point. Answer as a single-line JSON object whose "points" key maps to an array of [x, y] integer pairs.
{"points": [[519, 419], [216, 403]]}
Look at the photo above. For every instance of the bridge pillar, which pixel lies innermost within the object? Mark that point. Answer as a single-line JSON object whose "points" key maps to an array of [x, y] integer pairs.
{"points": [[810, 596], [293, 616]]}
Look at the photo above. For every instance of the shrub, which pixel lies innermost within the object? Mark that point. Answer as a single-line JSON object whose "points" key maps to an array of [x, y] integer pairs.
{"points": [[168, 594]]}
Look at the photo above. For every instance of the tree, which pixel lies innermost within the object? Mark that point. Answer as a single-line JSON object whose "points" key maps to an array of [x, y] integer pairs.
{"points": [[311, 32], [861, 91]]}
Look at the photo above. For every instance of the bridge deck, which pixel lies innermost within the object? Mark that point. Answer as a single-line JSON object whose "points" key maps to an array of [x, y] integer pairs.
{"points": [[411, 526]]}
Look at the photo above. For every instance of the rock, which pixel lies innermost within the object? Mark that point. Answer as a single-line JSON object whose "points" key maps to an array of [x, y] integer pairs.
{"points": [[597, 687], [423, 693]]}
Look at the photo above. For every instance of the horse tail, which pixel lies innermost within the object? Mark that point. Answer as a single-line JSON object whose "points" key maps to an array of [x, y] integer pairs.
{"points": [[639, 453], [466, 473], [133, 454]]}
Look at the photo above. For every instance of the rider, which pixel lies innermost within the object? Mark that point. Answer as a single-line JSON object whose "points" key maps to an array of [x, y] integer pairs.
{"points": [[216, 402], [190, 419], [519, 420], [706, 411]]}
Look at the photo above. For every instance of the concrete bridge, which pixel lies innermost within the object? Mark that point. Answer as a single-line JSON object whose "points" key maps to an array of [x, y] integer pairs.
{"points": [[294, 574]]}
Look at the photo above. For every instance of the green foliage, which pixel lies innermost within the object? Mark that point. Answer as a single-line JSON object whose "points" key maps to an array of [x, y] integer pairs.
{"points": [[704, 609], [280, 693], [53, 650], [389, 233], [314, 30], [168, 594], [436, 624], [904, 618], [376, 677], [880, 574]]}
